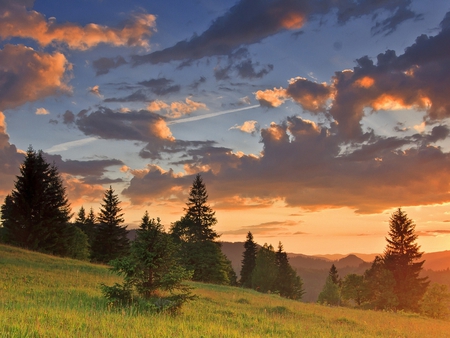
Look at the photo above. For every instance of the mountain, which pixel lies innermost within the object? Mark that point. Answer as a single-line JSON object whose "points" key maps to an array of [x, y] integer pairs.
{"points": [[436, 260]]}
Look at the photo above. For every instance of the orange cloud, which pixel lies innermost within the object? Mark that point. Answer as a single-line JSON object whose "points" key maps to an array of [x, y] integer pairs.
{"points": [[249, 127], [80, 193], [292, 21], [161, 130], [365, 82], [36, 75], [176, 109], [17, 21], [42, 111], [271, 98]]}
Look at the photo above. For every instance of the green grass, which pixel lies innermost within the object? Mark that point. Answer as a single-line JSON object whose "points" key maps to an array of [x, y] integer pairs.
{"points": [[45, 296]]}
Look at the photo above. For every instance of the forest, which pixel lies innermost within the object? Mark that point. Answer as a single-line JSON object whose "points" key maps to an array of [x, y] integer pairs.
{"points": [[156, 264]]}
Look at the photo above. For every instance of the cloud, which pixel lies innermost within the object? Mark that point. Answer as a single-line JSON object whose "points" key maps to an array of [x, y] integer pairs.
{"points": [[241, 25], [250, 127], [95, 90], [42, 111], [161, 86], [268, 229], [28, 75], [104, 64], [18, 22], [69, 145], [137, 96], [176, 109], [140, 125]]}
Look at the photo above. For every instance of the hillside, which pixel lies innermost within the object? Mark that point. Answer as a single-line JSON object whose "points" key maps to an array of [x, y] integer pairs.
{"points": [[314, 269], [45, 296]]}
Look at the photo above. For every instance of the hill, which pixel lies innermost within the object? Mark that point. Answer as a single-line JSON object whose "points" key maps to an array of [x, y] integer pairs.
{"points": [[45, 296]]}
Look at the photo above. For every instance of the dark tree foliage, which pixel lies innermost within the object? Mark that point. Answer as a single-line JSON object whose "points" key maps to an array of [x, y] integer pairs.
{"points": [[197, 223], [266, 270], [150, 267], [330, 293], [354, 288], [287, 283], [401, 257], [111, 240], [333, 273], [199, 252], [36, 214], [248, 261], [380, 285], [87, 224]]}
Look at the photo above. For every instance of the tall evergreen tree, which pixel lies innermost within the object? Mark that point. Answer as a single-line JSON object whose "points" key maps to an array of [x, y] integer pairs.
{"points": [[111, 240], [197, 223], [287, 283], [401, 257], [333, 273], [266, 270], [37, 212], [86, 223], [248, 261], [199, 252]]}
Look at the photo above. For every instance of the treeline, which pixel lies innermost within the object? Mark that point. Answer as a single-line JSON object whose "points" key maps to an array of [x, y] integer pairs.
{"points": [[393, 282]]}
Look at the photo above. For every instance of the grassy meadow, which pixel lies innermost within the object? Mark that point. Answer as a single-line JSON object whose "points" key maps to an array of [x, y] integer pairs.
{"points": [[46, 296]]}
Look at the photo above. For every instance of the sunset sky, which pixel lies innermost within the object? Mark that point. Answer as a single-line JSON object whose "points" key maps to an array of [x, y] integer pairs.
{"points": [[310, 121]]}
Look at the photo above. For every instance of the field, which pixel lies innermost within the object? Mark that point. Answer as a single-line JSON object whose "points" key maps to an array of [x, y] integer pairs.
{"points": [[45, 296]]}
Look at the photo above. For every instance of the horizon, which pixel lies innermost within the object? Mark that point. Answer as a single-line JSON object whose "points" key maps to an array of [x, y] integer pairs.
{"points": [[309, 124]]}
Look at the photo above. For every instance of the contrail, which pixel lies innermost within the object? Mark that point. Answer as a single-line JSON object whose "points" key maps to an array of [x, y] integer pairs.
{"points": [[68, 145], [207, 116]]}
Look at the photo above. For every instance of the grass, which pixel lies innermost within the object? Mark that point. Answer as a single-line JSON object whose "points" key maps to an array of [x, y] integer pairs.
{"points": [[45, 296]]}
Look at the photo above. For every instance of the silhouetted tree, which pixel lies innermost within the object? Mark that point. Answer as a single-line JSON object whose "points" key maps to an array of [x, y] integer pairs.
{"points": [[87, 224], [333, 273], [248, 261], [353, 287], [111, 240], [36, 214], [401, 259], [266, 270], [199, 252], [287, 283], [380, 285]]}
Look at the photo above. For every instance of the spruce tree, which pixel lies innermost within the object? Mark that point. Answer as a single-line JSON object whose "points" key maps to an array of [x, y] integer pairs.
{"points": [[37, 212], [333, 273], [287, 283], [266, 270], [86, 223], [248, 261], [401, 257], [199, 252], [111, 239]]}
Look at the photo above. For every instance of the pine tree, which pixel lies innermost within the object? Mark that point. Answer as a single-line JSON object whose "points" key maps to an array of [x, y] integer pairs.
{"points": [[287, 283], [111, 240], [401, 259], [199, 219], [266, 270], [199, 252], [86, 224], [37, 212], [333, 273], [248, 261], [150, 267], [330, 293]]}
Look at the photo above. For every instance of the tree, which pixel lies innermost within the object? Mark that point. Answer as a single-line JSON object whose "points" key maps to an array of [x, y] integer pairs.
{"points": [[401, 259], [287, 283], [198, 250], [248, 261], [86, 224], [333, 273], [330, 293], [111, 240], [35, 215], [353, 287], [266, 270], [436, 302], [150, 267], [197, 223], [380, 286]]}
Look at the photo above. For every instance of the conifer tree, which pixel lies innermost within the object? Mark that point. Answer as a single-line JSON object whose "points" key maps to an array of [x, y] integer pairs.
{"points": [[401, 257], [36, 214], [287, 283], [333, 273], [266, 270], [111, 240], [86, 223], [248, 261], [199, 252], [330, 293]]}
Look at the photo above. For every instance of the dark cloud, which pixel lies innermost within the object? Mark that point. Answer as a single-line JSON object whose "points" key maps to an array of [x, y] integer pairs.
{"points": [[138, 96], [161, 86], [104, 64], [304, 165], [246, 70], [198, 82], [241, 25], [68, 117]]}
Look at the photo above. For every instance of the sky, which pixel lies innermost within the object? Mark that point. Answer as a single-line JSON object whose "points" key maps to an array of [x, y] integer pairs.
{"points": [[309, 121]]}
